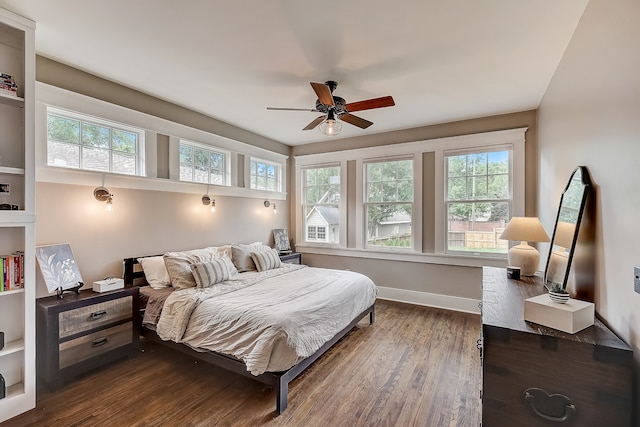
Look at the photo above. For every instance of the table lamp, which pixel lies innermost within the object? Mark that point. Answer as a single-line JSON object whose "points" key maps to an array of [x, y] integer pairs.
{"points": [[525, 229]]}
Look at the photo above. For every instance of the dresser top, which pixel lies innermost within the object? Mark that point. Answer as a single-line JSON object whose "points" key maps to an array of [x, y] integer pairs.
{"points": [[503, 307]]}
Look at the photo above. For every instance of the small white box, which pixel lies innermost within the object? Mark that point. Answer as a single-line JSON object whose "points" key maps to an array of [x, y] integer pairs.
{"points": [[108, 285], [571, 317]]}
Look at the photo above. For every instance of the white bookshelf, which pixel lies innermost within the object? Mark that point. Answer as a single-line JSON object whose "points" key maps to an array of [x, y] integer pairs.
{"points": [[17, 227]]}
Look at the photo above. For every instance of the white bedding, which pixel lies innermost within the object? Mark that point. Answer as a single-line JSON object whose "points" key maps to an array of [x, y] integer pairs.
{"points": [[270, 320]]}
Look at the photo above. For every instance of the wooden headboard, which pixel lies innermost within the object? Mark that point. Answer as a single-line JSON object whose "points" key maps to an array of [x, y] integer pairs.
{"points": [[133, 274]]}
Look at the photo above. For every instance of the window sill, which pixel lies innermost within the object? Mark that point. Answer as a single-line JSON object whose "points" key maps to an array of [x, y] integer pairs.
{"points": [[111, 180], [445, 259]]}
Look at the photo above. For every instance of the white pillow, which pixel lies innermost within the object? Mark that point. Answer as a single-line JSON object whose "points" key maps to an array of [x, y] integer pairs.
{"points": [[155, 272], [242, 255], [178, 265], [266, 260], [211, 272]]}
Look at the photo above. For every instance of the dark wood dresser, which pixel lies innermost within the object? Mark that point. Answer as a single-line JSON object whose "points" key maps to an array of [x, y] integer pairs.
{"points": [[533, 375], [82, 332]]}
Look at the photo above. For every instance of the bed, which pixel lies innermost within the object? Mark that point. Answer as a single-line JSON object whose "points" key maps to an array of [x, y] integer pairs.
{"points": [[269, 325]]}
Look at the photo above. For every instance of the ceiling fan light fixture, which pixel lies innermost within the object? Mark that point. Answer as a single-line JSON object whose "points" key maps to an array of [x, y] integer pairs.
{"points": [[330, 127]]}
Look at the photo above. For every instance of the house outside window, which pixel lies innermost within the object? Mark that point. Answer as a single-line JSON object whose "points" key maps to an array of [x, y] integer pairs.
{"points": [[78, 141], [389, 203], [265, 175], [321, 204], [200, 163], [478, 201]]}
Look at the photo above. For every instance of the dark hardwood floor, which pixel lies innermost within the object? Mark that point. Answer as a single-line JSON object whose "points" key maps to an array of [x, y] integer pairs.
{"points": [[416, 366]]}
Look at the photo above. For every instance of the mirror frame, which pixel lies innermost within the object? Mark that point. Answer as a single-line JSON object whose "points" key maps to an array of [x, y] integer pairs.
{"points": [[586, 189]]}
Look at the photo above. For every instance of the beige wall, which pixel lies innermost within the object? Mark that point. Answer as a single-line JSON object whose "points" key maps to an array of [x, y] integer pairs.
{"points": [[590, 115], [143, 223]]}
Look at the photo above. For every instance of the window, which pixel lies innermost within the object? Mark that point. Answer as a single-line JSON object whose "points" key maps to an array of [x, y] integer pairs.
{"points": [[82, 142], [478, 201], [264, 175], [200, 163], [389, 203], [321, 203]]}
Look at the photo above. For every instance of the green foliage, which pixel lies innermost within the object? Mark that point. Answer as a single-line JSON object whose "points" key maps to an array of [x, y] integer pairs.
{"points": [[63, 129], [557, 288]]}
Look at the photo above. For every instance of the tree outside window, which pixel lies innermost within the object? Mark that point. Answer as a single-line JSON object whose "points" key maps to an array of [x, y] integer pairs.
{"points": [[478, 192], [389, 203]]}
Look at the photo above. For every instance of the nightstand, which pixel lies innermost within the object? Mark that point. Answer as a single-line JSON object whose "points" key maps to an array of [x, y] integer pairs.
{"points": [[82, 332], [292, 258]]}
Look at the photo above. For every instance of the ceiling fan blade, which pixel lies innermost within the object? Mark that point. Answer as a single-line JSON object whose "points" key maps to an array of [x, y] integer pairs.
{"points": [[355, 120], [324, 93], [369, 104], [314, 123], [313, 110]]}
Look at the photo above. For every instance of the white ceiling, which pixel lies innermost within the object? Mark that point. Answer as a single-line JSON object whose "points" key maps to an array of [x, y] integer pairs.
{"points": [[441, 60]]}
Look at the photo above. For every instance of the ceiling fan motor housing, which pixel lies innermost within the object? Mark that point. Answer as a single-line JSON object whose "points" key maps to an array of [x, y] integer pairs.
{"points": [[340, 106]]}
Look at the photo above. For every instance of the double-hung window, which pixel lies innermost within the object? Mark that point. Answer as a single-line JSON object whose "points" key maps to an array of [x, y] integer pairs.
{"points": [[201, 163], [321, 204], [83, 142], [478, 200], [388, 203], [265, 175]]}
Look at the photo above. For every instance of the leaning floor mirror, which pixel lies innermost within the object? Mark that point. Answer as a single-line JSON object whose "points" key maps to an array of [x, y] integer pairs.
{"points": [[571, 214]]}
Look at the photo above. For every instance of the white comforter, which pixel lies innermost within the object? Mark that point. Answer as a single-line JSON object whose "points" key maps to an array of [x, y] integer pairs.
{"points": [[270, 320]]}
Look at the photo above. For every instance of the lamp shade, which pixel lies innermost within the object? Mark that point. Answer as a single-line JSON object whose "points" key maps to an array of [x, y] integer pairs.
{"points": [[525, 229]]}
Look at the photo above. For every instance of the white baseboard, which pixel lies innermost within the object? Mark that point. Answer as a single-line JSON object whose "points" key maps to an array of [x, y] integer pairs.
{"points": [[448, 302]]}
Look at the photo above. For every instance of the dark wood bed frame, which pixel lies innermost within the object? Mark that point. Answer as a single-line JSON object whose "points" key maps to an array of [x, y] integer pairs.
{"points": [[134, 276]]}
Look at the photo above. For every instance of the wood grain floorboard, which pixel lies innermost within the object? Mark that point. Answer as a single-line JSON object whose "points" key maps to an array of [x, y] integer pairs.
{"points": [[416, 366]]}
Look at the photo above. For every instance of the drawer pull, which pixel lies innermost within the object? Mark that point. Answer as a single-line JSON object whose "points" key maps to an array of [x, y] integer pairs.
{"points": [[99, 342], [543, 404], [98, 314]]}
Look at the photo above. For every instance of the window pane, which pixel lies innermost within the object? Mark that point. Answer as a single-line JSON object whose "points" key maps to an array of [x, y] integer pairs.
{"points": [[124, 163], [457, 166], [61, 154], [63, 129], [186, 154], [124, 141], [186, 172], [95, 135], [498, 187], [477, 187], [95, 159], [475, 227], [321, 195], [389, 225], [499, 162], [477, 164]]}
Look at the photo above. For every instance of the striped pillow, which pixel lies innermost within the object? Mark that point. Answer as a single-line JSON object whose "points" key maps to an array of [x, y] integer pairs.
{"points": [[266, 260], [211, 272]]}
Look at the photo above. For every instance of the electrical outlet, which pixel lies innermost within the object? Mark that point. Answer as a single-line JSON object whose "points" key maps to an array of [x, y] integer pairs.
{"points": [[636, 279]]}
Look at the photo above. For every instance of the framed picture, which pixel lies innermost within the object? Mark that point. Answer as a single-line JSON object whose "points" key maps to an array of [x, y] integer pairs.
{"points": [[58, 267], [281, 240]]}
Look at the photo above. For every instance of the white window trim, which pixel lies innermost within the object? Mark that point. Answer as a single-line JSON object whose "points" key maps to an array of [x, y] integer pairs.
{"points": [[87, 118], [281, 175], [299, 196], [211, 148], [514, 137], [65, 99]]}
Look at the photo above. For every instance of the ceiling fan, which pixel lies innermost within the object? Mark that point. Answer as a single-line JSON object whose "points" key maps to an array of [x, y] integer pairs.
{"points": [[335, 107]]}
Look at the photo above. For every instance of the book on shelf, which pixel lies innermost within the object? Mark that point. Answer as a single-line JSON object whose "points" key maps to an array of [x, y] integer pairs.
{"points": [[12, 267]]}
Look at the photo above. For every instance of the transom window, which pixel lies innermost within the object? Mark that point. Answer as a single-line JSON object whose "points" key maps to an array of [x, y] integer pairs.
{"points": [[389, 203], [478, 201], [200, 163], [264, 175], [83, 142], [321, 206]]}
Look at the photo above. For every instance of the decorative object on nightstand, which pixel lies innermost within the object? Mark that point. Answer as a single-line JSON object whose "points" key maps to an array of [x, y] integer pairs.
{"points": [[108, 284], [83, 332], [281, 241], [525, 229], [59, 268], [558, 294]]}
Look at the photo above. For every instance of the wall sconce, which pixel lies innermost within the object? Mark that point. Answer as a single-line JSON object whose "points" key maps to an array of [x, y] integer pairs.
{"points": [[267, 203], [102, 194], [206, 200]]}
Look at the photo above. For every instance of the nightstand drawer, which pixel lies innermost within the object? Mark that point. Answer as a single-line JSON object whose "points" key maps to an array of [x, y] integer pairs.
{"points": [[93, 316], [91, 345]]}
